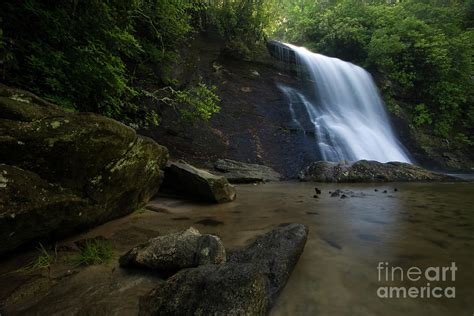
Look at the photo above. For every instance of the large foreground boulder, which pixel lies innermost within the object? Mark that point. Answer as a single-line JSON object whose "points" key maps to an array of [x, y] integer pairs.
{"points": [[241, 172], [63, 171], [173, 252], [248, 284], [182, 178], [368, 171]]}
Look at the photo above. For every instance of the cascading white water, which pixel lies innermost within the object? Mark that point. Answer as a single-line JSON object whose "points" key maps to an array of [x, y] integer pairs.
{"points": [[345, 109]]}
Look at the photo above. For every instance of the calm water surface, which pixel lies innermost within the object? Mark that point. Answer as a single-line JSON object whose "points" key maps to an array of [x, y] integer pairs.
{"points": [[419, 225]]}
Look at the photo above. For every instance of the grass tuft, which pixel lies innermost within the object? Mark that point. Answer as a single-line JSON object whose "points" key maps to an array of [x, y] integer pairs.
{"points": [[42, 261], [141, 210], [94, 252]]}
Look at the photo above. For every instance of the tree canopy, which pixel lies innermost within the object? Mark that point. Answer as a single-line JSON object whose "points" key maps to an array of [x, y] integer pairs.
{"points": [[420, 51], [101, 56]]}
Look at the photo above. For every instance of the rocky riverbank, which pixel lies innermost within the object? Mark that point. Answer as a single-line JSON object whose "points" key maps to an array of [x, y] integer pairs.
{"points": [[190, 267], [369, 171], [63, 172]]}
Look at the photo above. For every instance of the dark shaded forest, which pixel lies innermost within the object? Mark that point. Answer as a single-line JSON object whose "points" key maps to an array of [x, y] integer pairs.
{"points": [[109, 56]]}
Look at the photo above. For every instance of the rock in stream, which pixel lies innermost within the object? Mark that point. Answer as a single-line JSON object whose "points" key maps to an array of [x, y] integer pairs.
{"points": [[241, 172], [188, 180], [176, 251], [248, 284], [368, 171]]}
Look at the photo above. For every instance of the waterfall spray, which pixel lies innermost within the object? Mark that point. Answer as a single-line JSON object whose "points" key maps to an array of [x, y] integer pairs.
{"points": [[344, 107]]}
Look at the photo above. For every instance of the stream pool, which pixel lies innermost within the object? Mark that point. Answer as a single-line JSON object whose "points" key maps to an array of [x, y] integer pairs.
{"points": [[397, 225], [419, 225]]}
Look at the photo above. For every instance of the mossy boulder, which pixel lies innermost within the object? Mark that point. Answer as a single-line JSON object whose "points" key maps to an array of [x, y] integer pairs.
{"points": [[30, 206], [98, 167], [369, 171]]}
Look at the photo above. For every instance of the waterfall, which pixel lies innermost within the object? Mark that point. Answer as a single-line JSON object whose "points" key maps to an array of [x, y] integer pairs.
{"points": [[341, 105]]}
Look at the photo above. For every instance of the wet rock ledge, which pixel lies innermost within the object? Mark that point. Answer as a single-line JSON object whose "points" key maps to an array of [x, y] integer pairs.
{"points": [[241, 172], [369, 171]]}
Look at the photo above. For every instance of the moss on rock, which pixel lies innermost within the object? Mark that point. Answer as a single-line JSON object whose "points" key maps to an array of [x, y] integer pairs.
{"points": [[103, 168]]}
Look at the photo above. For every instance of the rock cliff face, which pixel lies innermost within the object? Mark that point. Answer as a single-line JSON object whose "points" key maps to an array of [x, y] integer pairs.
{"points": [[255, 124], [62, 171]]}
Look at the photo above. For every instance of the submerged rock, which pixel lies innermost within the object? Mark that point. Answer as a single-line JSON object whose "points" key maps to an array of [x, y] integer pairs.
{"points": [[176, 251], [368, 171], [185, 179], [248, 284], [240, 172], [64, 171]]}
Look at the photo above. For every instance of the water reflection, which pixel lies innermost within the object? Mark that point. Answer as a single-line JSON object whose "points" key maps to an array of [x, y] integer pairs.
{"points": [[415, 225]]}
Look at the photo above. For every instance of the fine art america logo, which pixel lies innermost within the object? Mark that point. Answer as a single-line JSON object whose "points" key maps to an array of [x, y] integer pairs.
{"points": [[425, 276]]}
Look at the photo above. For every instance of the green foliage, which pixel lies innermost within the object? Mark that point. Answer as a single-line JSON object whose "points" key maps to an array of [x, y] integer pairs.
{"points": [[463, 140], [42, 261], [103, 56], [58, 55], [95, 251], [422, 115], [420, 50], [240, 23], [92, 55], [198, 103]]}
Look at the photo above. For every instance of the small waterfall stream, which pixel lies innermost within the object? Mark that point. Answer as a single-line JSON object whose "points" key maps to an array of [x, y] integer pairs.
{"points": [[341, 105]]}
